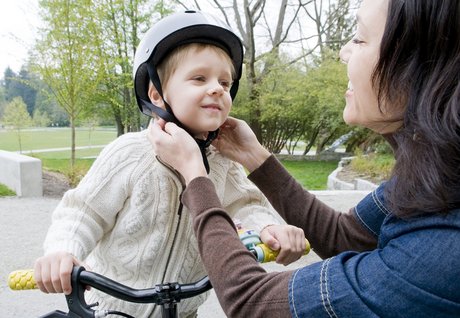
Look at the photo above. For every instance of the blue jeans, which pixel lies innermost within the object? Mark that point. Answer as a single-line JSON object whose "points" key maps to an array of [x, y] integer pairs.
{"points": [[413, 272]]}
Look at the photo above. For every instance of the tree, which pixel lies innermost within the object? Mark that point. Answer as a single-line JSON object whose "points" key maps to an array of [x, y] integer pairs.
{"points": [[16, 117], [10, 84], [40, 119], [267, 37], [28, 91], [2, 100], [46, 104], [284, 106], [121, 22], [22, 85], [325, 86], [66, 58], [332, 21]]}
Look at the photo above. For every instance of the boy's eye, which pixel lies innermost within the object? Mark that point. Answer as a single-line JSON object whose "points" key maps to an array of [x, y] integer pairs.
{"points": [[199, 78], [225, 84]]}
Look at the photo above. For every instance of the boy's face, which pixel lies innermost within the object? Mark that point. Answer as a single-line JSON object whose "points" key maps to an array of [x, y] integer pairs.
{"points": [[198, 91]]}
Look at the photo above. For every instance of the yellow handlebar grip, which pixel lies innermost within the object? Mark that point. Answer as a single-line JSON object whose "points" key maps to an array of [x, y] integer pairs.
{"points": [[22, 279], [270, 255]]}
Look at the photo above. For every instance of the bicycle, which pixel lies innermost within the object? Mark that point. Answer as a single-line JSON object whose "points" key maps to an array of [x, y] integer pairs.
{"points": [[166, 295]]}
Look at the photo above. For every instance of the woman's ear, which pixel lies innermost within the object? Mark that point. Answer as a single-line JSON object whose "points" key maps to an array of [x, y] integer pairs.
{"points": [[155, 97]]}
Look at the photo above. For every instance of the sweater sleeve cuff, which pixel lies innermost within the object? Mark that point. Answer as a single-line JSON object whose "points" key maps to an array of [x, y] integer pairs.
{"points": [[200, 195]]}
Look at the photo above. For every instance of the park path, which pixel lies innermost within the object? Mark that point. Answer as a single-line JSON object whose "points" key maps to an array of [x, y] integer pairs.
{"points": [[25, 152], [23, 225]]}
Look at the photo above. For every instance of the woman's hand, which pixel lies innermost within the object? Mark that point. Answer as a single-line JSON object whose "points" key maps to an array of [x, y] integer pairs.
{"points": [[238, 142], [177, 148], [52, 272], [289, 239]]}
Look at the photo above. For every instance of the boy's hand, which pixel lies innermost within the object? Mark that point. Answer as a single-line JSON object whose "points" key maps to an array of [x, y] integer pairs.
{"points": [[289, 239], [52, 272]]}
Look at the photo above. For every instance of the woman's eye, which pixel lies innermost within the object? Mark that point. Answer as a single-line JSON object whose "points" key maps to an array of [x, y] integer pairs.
{"points": [[355, 39]]}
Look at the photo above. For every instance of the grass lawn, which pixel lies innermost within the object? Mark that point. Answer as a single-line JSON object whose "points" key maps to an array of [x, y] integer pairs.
{"points": [[43, 138], [311, 174], [79, 154]]}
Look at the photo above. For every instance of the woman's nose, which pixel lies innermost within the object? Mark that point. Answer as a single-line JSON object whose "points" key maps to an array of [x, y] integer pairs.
{"points": [[345, 52]]}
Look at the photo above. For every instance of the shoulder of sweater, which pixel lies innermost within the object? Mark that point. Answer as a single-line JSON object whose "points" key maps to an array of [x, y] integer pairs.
{"points": [[128, 150], [132, 145], [134, 139]]}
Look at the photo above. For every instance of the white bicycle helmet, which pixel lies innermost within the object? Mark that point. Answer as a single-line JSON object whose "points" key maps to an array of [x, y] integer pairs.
{"points": [[171, 32]]}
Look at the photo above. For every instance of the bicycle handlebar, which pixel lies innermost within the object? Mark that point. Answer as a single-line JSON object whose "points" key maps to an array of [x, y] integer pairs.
{"points": [[24, 279], [161, 294]]}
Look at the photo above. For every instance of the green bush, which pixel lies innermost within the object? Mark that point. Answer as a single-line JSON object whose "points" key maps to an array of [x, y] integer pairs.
{"points": [[376, 166], [5, 191]]}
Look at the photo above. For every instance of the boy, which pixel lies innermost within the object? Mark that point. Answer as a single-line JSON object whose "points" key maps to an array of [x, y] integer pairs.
{"points": [[125, 218]]}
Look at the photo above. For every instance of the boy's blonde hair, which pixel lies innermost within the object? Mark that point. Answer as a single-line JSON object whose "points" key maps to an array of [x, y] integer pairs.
{"points": [[170, 64]]}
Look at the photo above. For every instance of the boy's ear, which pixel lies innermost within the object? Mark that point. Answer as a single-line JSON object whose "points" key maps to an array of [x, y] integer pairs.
{"points": [[155, 97]]}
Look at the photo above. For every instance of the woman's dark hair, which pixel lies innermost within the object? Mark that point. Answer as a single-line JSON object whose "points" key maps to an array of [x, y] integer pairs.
{"points": [[419, 70]]}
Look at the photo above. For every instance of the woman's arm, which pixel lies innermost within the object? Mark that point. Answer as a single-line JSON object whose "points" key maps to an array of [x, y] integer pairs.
{"points": [[242, 286], [242, 200], [329, 232]]}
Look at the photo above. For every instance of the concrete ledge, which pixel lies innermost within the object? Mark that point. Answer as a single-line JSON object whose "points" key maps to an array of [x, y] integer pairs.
{"points": [[23, 174], [334, 183]]}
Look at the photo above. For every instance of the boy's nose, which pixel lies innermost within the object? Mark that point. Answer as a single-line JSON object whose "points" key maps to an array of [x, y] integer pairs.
{"points": [[215, 88]]}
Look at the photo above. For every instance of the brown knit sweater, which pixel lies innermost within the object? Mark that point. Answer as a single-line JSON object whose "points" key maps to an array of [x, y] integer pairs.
{"points": [[245, 289]]}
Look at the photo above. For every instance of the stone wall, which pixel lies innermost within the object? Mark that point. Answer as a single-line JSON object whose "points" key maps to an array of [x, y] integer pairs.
{"points": [[23, 174]]}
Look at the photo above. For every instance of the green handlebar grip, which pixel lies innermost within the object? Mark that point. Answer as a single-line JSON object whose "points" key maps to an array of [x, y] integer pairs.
{"points": [[22, 280]]}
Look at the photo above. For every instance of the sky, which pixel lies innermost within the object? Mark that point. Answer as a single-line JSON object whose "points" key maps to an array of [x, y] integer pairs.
{"points": [[19, 21], [18, 29]]}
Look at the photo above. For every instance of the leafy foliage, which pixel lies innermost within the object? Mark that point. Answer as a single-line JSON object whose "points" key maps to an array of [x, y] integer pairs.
{"points": [[288, 96], [298, 106], [121, 24], [5, 191], [67, 58], [374, 165], [16, 117], [20, 85], [325, 86]]}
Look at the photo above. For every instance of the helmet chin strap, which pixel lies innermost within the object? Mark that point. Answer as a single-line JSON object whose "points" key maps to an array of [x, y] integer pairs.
{"points": [[168, 116]]}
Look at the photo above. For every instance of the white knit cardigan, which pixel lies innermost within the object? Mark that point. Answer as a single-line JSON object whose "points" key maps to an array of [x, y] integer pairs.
{"points": [[122, 219]]}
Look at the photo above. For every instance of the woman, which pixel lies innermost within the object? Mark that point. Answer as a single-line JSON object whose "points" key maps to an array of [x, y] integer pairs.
{"points": [[397, 253]]}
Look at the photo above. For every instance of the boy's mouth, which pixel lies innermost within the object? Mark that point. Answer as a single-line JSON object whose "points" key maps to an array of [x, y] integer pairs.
{"points": [[211, 107]]}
